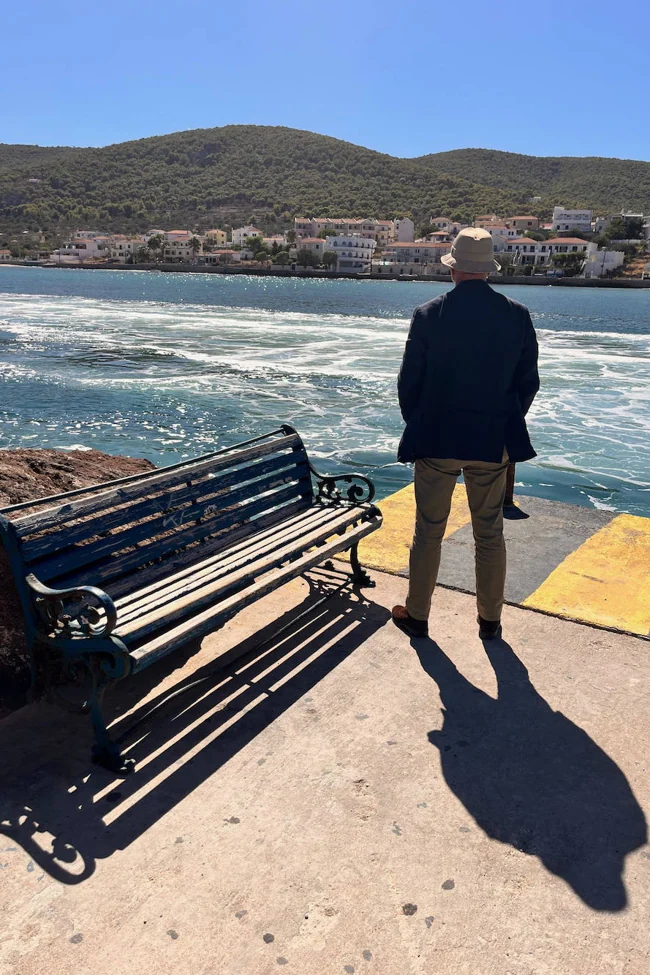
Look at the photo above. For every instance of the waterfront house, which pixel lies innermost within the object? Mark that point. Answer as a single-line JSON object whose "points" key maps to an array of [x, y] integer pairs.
{"points": [[417, 253], [5, 254], [601, 262], [526, 251], [216, 236], [567, 245], [354, 252], [315, 245], [181, 250], [81, 249], [222, 255], [122, 247], [564, 219], [241, 234]]}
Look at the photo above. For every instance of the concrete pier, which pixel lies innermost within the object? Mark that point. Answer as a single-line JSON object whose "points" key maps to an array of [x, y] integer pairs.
{"points": [[574, 562], [335, 798]]}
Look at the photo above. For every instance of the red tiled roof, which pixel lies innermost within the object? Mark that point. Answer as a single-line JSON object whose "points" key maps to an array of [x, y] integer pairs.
{"points": [[565, 240], [529, 217], [311, 240], [524, 240]]}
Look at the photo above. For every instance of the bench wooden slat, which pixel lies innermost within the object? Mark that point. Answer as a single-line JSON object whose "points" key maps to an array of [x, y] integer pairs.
{"points": [[255, 553], [110, 497], [202, 569], [240, 572], [65, 536], [147, 552], [204, 622], [232, 509], [154, 573]]}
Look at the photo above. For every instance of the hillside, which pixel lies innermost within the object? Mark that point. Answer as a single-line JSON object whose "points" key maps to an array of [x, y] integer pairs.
{"points": [[198, 177], [592, 181]]}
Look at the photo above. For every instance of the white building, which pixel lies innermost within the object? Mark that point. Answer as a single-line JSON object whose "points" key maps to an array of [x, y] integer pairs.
{"points": [[500, 230], [523, 250], [353, 251], [241, 234], [564, 219], [601, 224], [222, 255], [404, 229], [5, 254], [566, 245], [82, 249], [419, 254], [600, 262], [181, 250], [123, 247], [441, 223]]}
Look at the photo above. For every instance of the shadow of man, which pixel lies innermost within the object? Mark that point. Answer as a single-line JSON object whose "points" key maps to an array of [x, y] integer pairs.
{"points": [[532, 778]]}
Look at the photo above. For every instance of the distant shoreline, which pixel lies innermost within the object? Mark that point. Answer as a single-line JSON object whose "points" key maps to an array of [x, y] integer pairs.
{"points": [[283, 272]]}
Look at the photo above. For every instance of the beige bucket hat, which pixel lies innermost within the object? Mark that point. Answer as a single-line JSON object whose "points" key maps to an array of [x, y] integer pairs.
{"points": [[473, 252]]}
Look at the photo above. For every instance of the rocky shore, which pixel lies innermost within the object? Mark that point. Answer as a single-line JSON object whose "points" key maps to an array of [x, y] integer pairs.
{"points": [[24, 476]]}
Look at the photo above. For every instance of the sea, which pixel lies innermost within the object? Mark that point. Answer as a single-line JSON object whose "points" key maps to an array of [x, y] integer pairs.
{"points": [[169, 366]]}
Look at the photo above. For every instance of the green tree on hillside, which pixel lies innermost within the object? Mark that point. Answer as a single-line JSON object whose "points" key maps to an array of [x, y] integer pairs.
{"points": [[330, 259], [195, 246]]}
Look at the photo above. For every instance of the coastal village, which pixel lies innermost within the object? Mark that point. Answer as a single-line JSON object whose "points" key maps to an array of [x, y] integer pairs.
{"points": [[576, 242]]}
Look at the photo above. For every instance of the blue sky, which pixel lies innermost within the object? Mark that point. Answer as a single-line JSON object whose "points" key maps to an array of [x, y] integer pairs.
{"points": [[405, 78]]}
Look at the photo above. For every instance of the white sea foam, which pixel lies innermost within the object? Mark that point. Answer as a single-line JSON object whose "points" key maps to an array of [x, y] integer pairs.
{"points": [[107, 369]]}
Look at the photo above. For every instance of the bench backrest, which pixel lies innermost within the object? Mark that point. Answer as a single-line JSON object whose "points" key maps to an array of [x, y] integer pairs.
{"points": [[106, 534]]}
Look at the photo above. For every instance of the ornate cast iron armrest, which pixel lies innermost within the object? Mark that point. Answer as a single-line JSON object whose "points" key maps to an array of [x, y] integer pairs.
{"points": [[361, 489], [74, 612]]}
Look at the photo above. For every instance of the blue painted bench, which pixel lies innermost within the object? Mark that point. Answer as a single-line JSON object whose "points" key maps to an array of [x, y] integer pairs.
{"points": [[115, 576]]}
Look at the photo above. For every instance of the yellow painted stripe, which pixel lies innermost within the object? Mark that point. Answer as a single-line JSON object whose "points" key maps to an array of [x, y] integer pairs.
{"points": [[388, 548], [606, 580]]}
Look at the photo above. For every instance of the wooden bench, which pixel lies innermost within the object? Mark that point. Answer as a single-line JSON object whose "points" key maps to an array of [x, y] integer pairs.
{"points": [[115, 576]]}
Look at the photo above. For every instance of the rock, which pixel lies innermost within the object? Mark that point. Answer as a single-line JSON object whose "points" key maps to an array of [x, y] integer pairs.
{"points": [[24, 476]]}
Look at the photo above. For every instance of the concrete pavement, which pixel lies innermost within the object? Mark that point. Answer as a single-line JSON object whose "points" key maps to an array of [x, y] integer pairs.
{"points": [[571, 561], [341, 801]]}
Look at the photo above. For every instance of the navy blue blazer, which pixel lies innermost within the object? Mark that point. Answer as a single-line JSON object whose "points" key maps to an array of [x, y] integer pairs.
{"points": [[468, 377]]}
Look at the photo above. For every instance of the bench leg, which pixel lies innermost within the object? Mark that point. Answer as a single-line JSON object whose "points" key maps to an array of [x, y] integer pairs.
{"points": [[359, 576], [105, 751]]}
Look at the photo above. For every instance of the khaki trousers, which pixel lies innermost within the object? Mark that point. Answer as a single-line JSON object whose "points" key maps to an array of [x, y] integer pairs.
{"points": [[434, 486]]}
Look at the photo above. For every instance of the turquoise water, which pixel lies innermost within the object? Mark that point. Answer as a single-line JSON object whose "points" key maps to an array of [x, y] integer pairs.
{"points": [[166, 366]]}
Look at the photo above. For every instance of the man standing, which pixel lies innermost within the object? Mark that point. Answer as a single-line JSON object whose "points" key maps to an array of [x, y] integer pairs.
{"points": [[468, 378]]}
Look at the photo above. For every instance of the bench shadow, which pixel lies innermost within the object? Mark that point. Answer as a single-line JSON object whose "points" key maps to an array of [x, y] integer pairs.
{"points": [[67, 814], [532, 778]]}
